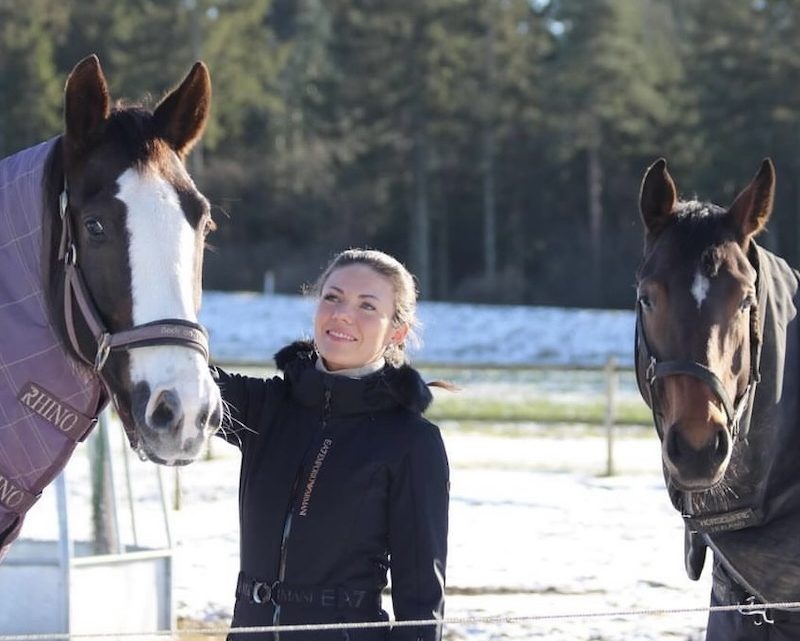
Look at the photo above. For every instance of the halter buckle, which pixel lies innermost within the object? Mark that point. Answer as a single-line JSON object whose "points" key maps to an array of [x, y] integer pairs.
{"points": [[103, 350], [63, 201], [71, 255], [139, 449], [650, 372]]}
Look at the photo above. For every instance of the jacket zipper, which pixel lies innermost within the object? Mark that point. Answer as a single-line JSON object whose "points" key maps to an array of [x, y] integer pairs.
{"points": [[287, 522]]}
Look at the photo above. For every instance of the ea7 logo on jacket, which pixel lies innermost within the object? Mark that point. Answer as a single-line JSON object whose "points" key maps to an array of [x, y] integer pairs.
{"points": [[312, 477]]}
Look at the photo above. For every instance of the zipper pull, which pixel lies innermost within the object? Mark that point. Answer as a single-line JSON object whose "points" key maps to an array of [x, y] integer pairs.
{"points": [[326, 408]]}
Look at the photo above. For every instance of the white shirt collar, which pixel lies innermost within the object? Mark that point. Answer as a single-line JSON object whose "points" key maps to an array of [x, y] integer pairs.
{"points": [[355, 372]]}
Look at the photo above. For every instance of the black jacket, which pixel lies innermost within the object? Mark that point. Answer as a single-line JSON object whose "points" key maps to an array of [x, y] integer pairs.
{"points": [[341, 480]]}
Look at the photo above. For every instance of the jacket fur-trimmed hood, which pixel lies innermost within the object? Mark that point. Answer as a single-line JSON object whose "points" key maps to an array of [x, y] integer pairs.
{"points": [[403, 384]]}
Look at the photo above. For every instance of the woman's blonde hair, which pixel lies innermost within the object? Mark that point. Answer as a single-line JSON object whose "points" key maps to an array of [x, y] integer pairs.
{"points": [[404, 287]]}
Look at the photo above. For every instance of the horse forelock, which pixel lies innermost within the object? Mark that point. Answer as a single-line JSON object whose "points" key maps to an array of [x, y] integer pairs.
{"points": [[130, 140], [697, 209], [698, 233]]}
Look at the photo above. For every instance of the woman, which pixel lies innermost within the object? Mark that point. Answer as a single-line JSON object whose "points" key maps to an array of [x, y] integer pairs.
{"points": [[342, 479]]}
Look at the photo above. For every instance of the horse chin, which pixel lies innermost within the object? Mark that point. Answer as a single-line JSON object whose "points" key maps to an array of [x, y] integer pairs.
{"points": [[693, 485], [171, 463], [154, 449]]}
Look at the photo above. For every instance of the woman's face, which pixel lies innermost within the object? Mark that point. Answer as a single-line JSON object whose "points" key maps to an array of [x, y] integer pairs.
{"points": [[353, 322]]}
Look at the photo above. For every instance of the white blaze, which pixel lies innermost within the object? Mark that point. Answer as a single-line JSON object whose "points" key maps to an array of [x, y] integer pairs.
{"points": [[700, 288], [162, 261], [162, 247]]}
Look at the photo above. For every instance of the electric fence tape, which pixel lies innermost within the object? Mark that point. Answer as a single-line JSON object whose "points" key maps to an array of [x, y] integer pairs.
{"points": [[754, 608]]}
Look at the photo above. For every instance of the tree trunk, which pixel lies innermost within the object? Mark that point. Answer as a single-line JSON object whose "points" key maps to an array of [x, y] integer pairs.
{"points": [[595, 190], [442, 254], [518, 245], [420, 235], [487, 160], [420, 228]]}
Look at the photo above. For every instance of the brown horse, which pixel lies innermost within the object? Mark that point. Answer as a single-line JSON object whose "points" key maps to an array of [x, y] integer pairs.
{"points": [[716, 360], [101, 248]]}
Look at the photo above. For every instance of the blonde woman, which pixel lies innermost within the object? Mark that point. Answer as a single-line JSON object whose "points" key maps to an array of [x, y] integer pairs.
{"points": [[342, 479]]}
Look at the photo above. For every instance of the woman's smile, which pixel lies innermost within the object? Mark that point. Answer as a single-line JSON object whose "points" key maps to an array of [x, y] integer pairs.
{"points": [[340, 336]]}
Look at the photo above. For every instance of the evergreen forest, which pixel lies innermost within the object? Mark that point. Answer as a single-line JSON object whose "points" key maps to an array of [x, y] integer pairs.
{"points": [[495, 146]]}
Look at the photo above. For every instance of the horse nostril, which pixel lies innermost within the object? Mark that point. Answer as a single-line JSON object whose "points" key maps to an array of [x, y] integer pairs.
{"points": [[721, 445], [676, 445], [163, 414], [167, 411]]}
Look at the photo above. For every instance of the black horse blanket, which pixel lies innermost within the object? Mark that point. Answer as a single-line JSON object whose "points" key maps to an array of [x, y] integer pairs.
{"points": [[752, 518], [48, 400]]}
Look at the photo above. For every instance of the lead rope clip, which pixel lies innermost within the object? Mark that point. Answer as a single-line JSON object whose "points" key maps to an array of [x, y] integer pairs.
{"points": [[761, 614]]}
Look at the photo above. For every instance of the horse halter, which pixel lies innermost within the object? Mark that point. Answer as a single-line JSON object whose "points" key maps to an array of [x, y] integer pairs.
{"points": [[655, 370], [167, 331]]}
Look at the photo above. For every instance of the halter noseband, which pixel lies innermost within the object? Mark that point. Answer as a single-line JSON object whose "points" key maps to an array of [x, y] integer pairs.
{"points": [[655, 370], [167, 331]]}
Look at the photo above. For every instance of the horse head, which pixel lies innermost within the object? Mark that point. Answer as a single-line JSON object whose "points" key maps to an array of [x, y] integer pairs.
{"points": [[697, 321], [130, 252]]}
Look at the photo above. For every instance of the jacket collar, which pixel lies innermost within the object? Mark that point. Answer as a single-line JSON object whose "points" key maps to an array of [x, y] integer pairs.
{"points": [[388, 388]]}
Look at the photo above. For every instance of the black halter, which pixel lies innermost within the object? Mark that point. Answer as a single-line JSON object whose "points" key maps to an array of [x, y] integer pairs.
{"points": [[655, 370], [168, 331]]}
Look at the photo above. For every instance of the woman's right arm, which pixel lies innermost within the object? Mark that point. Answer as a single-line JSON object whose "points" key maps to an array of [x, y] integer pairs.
{"points": [[244, 399]]}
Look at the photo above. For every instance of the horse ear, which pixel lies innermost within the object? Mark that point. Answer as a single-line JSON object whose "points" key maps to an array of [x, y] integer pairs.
{"points": [[657, 197], [87, 104], [752, 208], [181, 116]]}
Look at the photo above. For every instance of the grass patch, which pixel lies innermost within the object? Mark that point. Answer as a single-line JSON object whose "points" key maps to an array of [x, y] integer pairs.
{"points": [[524, 429], [539, 411]]}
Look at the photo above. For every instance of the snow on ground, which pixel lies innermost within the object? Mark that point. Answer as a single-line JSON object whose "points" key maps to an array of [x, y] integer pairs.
{"points": [[535, 530]]}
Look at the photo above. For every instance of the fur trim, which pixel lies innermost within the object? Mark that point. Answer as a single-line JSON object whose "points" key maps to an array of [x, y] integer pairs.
{"points": [[407, 387], [403, 383], [294, 351]]}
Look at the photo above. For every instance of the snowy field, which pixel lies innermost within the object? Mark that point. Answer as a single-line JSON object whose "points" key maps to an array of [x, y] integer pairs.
{"points": [[536, 529]]}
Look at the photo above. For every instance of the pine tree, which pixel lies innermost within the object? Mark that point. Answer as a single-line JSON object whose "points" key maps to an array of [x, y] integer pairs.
{"points": [[30, 87]]}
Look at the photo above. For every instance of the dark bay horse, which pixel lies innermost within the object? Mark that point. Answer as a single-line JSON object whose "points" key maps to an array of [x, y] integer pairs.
{"points": [[717, 361], [101, 245]]}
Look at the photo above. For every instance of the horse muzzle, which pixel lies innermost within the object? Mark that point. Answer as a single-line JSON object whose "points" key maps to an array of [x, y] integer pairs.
{"points": [[696, 456], [173, 423]]}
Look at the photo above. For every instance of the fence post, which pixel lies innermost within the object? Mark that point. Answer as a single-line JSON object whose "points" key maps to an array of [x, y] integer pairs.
{"points": [[611, 387], [177, 490]]}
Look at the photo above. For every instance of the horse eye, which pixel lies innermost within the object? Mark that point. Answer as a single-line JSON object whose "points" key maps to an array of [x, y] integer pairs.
{"points": [[645, 302], [94, 227], [747, 303]]}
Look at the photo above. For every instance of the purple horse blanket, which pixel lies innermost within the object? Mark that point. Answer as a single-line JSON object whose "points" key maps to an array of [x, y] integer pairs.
{"points": [[48, 399]]}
